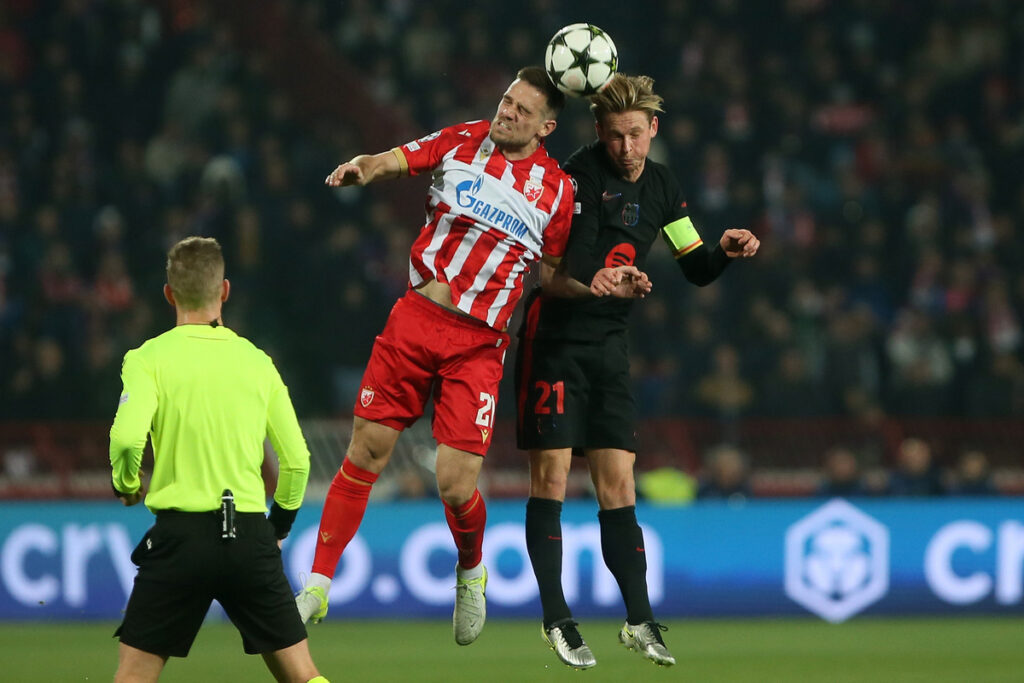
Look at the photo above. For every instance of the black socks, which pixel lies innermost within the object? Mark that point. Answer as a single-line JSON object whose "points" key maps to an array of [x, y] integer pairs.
{"points": [[544, 543], [622, 544]]}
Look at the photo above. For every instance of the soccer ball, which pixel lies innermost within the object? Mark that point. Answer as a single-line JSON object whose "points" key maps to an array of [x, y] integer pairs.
{"points": [[581, 59]]}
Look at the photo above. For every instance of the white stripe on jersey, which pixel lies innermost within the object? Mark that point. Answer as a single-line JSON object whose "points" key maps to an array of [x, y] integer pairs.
{"points": [[503, 295], [487, 271], [454, 266], [444, 226]]}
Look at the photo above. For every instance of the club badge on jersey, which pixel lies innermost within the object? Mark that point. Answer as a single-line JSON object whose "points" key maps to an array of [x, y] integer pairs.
{"points": [[366, 397]]}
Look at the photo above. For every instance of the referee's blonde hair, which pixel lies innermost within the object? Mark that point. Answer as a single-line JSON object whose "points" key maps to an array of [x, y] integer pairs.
{"points": [[195, 271], [626, 93]]}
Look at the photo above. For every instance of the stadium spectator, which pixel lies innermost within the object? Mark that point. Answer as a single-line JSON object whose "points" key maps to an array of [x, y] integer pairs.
{"points": [[916, 474], [972, 476], [841, 475], [725, 475]]}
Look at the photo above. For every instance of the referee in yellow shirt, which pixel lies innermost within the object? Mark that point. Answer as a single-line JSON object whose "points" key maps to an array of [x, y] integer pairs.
{"points": [[208, 399]]}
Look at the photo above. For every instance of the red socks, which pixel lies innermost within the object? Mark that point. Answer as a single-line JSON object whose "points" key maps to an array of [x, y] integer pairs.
{"points": [[342, 515], [467, 524]]}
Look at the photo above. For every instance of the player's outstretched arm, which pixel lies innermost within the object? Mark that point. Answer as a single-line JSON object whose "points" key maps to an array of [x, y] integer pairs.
{"points": [[739, 243], [624, 282], [365, 169]]}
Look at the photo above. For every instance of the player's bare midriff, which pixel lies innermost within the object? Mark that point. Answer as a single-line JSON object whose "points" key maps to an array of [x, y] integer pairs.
{"points": [[440, 294]]}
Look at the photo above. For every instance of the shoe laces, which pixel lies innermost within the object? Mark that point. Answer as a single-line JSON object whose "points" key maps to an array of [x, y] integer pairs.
{"points": [[569, 631], [656, 629]]}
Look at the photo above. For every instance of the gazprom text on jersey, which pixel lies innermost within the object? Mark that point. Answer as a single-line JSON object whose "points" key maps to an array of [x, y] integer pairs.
{"points": [[488, 212]]}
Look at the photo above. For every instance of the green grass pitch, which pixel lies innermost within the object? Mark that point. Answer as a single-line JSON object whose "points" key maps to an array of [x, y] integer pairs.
{"points": [[791, 650]]}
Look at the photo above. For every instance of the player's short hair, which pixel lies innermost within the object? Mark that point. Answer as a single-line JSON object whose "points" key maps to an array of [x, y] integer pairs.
{"points": [[626, 93], [538, 78], [195, 270]]}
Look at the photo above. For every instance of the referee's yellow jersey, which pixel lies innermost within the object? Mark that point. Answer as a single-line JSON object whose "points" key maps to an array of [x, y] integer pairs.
{"points": [[208, 398]]}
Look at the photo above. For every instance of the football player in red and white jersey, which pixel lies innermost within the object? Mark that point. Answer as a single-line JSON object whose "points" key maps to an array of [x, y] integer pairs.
{"points": [[497, 203]]}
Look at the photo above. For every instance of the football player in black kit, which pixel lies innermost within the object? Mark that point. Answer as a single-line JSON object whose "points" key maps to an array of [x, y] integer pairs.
{"points": [[572, 367]]}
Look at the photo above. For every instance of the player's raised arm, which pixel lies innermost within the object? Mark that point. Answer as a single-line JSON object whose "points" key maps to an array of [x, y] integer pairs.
{"points": [[366, 168]]}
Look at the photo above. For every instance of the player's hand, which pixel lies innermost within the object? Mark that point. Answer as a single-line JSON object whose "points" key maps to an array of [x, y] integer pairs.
{"points": [[623, 282], [130, 499], [346, 174], [739, 243]]}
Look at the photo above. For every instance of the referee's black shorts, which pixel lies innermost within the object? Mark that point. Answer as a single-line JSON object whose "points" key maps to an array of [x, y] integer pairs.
{"points": [[572, 394], [184, 565]]}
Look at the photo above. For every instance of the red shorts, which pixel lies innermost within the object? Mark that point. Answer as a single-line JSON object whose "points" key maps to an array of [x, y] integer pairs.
{"points": [[425, 348]]}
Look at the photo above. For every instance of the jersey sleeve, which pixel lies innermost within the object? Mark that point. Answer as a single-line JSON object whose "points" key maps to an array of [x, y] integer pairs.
{"points": [[135, 411], [556, 234], [426, 153], [679, 233], [582, 258], [699, 264], [289, 444]]}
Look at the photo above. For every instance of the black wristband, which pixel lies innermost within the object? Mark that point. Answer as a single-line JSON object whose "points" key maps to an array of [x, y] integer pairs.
{"points": [[281, 519]]}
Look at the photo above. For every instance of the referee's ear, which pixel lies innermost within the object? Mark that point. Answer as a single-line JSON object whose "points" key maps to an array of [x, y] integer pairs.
{"points": [[225, 290], [169, 295]]}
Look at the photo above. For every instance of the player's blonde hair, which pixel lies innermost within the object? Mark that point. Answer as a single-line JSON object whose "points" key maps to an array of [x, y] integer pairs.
{"points": [[195, 270], [626, 93]]}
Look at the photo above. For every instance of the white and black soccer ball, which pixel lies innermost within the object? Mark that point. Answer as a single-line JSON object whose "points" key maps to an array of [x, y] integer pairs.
{"points": [[581, 59]]}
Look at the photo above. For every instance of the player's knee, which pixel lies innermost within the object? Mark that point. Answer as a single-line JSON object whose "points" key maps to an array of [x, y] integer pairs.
{"points": [[615, 493], [548, 484], [455, 491], [368, 455]]}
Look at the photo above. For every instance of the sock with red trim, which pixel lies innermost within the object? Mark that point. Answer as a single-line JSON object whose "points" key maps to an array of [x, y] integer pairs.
{"points": [[622, 545], [343, 513], [467, 524], [544, 544]]}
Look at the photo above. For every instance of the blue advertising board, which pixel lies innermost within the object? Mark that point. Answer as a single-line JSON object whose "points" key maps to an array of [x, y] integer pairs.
{"points": [[834, 559]]}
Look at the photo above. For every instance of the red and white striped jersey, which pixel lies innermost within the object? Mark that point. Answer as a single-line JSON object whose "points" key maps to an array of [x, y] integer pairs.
{"points": [[487, 218]]}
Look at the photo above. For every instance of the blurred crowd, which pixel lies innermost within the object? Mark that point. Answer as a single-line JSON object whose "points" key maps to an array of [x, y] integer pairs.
{"points": [[875, 148]]}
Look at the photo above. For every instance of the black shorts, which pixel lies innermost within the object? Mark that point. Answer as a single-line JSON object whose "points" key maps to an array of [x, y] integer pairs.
{"points": [[184, 565], [572, 394]]}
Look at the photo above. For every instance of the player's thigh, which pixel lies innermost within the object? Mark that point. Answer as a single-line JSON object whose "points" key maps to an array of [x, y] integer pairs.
{"points": [[552, 387], [255, 592], [397, 380], [466, 391], [611, 470], [612, 413]]}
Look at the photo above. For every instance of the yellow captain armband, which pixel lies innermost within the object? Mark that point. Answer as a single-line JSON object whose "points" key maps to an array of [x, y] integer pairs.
{"points": [[681, 236]]}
